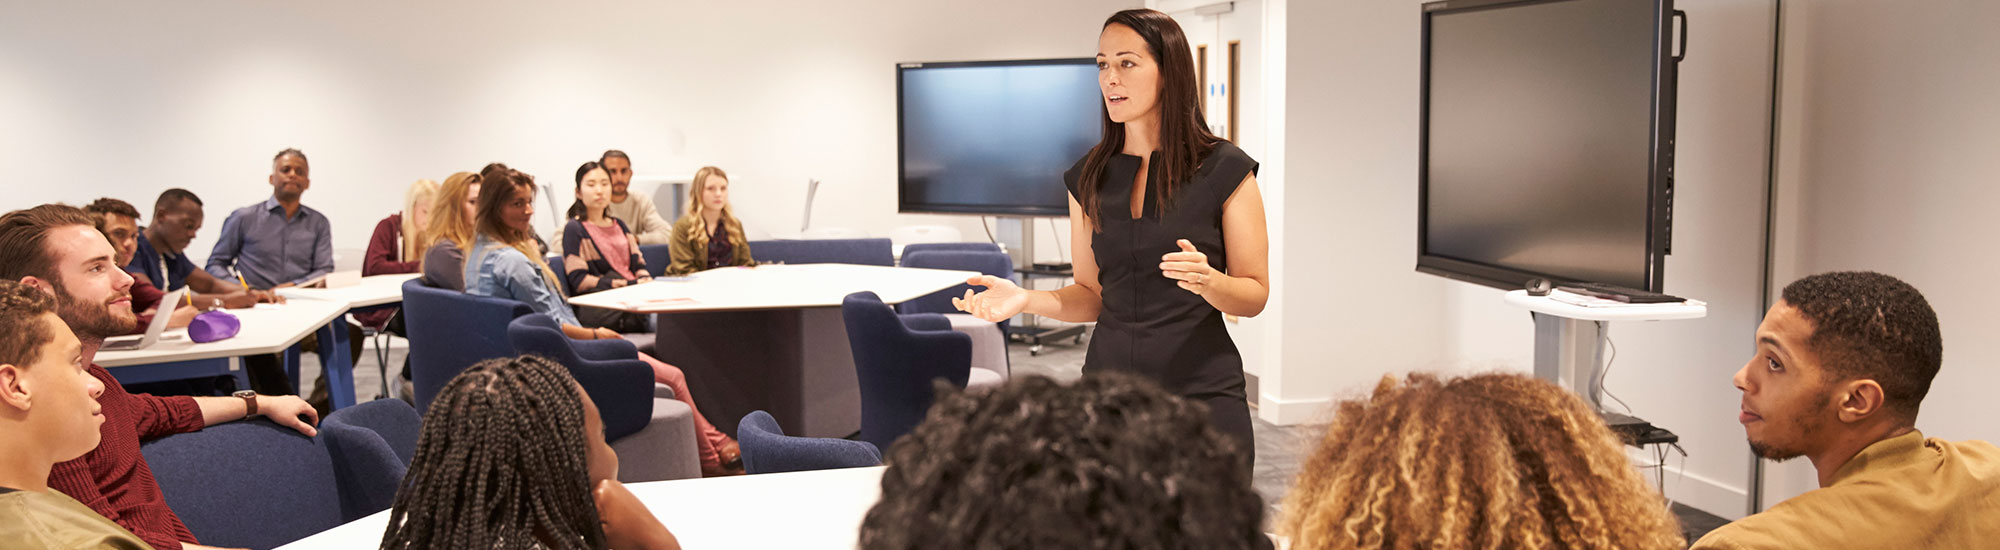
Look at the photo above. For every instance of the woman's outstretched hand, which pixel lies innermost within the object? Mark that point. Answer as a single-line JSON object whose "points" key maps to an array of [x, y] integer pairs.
{"points": [[1001, 300]]}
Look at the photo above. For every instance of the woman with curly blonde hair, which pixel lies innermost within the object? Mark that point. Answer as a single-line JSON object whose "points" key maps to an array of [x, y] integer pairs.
{"points": [[709, 235], [1484, 461]]}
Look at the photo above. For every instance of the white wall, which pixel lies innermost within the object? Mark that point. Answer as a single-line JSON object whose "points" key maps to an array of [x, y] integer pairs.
{"points": [[126, 99], [1887, 150], [1356, 309]]}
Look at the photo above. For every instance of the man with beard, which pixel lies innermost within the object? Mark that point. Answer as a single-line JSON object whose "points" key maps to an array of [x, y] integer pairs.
{"points": [[1843, 362], [276, 244], [56, 249]]}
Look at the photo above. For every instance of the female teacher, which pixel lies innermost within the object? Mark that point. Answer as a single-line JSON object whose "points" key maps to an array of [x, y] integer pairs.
{"points": [[1168, 229]]}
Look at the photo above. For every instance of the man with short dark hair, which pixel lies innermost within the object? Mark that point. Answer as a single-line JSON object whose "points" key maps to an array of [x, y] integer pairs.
{"points": [[49, 414], [56, 249], [161, 256], [1843, 363], [276, 244]]}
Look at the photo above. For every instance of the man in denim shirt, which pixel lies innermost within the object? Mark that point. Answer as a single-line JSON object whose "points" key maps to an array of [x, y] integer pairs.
{"points": [[274, 244]]}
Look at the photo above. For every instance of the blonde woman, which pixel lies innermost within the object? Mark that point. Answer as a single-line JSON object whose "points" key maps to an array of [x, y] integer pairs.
{"points": [[449, 233], [708, 236], [393, 248], [1484, 461]]}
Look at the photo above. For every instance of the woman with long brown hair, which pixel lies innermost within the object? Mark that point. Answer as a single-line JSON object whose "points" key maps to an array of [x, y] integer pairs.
{"points": [[1485, 461], [1161, 186], [449, 233], [709, 235], [505, 262]]}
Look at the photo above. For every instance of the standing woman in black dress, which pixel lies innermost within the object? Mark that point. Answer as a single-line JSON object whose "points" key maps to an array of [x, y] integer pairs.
{"points": [[1168, 228]]}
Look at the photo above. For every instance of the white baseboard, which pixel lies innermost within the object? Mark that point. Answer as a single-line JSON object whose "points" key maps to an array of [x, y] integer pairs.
{"points": [[1284, 412], [1708, 495]]}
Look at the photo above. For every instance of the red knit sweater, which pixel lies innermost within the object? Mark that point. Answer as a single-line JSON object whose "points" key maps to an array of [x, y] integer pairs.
{"points": [[113, 479]]}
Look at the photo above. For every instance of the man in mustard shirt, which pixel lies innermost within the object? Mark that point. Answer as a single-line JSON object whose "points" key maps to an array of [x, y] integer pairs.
{"points": [[1843, 362]]}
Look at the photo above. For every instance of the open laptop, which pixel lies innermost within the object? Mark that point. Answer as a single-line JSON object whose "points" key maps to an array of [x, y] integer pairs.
{"points": [[153, 330]]}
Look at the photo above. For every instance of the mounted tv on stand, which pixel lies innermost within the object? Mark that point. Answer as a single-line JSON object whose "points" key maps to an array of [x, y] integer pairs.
{"points": [[1547, 141], [993, 137]]}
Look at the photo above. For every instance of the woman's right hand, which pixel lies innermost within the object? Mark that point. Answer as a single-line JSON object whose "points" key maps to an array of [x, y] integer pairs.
{"points": [[1001, 300], [628, 525]]}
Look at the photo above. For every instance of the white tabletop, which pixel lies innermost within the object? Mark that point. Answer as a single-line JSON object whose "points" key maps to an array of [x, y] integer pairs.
{"points": [[774, 287], [366, 291], [267, 328], [1565, 304], [800, 510]]}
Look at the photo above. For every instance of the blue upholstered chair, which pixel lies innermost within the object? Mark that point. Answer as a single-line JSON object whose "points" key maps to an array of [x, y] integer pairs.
{"points": [[767, 450], [989, 339], [896, 360], [372, 445], [652, 432], [825, 251], [247, 484], [451, 330], [658, 257]]}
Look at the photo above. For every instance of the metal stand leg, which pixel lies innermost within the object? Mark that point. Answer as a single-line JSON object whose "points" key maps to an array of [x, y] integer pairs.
{"points": [[1570, 352]]}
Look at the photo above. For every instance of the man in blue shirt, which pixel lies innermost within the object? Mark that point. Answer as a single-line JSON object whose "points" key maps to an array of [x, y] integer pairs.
{"points": [[275, 244], [162, 256]]}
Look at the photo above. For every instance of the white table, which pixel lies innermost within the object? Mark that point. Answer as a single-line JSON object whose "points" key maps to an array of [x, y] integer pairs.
{"points": [[266, 328], [371, 292], [796, 511], [770, 338]]}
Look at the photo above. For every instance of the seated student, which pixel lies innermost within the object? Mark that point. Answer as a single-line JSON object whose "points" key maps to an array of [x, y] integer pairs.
{"points": [[512, 455], [48, 414], [393, 249], [1843, 362], [119, 222], [636, 210], [709, 236], [1110, 461], [449, 233], [500, 265], [1483, 461], [600, 253], [161, 258], [55, 249]]}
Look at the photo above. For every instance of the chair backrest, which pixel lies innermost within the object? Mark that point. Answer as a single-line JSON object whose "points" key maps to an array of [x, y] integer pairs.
{"points": [[372, 444], [990, 262], [247, 484], [973, 247], [767, 450], [622, 388], [896, 366], [449, 331], [658, 257], [825, 251]]}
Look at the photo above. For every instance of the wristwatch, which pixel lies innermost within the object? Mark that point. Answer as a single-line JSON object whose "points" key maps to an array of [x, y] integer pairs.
{"points": [[249, 401]]}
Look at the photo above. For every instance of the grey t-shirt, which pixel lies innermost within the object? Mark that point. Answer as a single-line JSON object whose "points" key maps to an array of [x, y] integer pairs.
{"points": [[444, 266]]}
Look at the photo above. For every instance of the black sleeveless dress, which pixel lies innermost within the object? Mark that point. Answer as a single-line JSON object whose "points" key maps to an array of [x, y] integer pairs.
{"points": [[1149, 325]]}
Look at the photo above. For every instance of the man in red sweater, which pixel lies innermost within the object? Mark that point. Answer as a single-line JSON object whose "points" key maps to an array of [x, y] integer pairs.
{"points": [[57, 249]]}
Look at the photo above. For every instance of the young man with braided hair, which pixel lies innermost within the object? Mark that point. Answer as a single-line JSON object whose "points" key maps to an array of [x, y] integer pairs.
{"points": [[1483, 461], [57, 249], [512, 455], [1843, 363], [1110, 461], [49, 414]]}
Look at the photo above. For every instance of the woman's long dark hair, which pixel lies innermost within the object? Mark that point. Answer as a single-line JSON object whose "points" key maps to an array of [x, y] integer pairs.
{"points": [[500, 186], [500, 463], [1184, 136], [576, 208]]}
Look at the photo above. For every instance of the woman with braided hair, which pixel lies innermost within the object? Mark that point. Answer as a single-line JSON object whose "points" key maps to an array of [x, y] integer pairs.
{"points": [[1484, 461], [512, 455]]}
